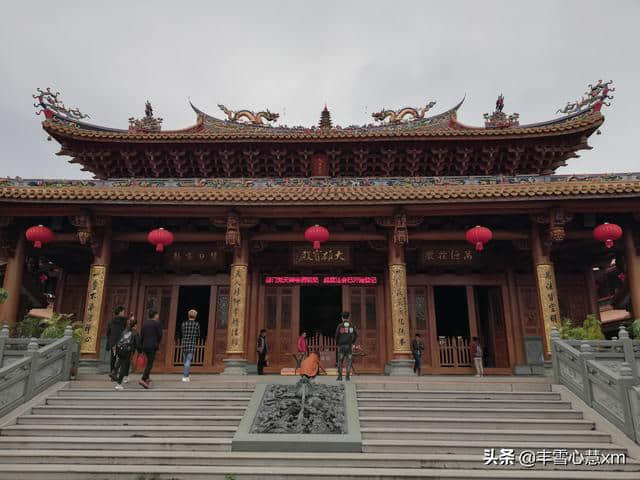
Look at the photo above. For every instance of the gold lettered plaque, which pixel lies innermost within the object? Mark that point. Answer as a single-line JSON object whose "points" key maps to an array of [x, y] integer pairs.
{"points": [[193, 255], [548, 294], [399, 308], [93, 309], [237, 308], [327, 255], [443, 254]]}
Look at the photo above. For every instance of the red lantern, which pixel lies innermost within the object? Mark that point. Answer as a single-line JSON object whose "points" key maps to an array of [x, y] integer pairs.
{"points": [[39, 235], [478, 236], [160, 238], [607, 233], [317, 235]]}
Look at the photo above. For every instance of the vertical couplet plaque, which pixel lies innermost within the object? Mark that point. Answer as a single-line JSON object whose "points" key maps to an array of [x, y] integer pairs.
{"points": [[93, 309], [399, 309], [548, 295], [237, 308]]}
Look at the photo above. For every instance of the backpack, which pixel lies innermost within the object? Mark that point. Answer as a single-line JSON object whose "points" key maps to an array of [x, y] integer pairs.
{"points": [[126, 344]]}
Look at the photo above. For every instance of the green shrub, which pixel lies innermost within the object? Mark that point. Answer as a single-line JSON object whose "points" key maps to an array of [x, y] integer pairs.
{"points": [[55, 326], [634, 329], [30, 327], [591, 329], [3, 295]]}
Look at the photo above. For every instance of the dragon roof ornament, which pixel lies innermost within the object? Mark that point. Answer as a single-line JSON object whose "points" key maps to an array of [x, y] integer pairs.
{"points": [[49, 103], [397, 116], [594, 99], [252, 117]]}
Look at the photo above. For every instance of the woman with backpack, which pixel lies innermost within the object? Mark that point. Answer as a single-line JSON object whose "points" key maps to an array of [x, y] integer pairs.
{"points": [[128, 344]]}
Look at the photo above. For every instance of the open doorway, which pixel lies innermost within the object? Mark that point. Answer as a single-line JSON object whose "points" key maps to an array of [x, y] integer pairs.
{"points": [[195, 297], [320, 309], [452, 326]]}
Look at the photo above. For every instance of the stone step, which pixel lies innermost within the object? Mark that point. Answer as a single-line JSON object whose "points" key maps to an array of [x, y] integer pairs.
{"points": [[475, 386], [133, 389], [149, 409], [128, 400], [165, 444], [457, 395], [470, 412], [274, 459], [140, 431], [477, 447], [99, 420], [496, 423], [506, 436], [165, 472], [466, 403]]}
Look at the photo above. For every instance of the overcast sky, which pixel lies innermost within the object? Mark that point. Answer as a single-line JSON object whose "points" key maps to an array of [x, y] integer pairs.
{"points": [[107, 58]]}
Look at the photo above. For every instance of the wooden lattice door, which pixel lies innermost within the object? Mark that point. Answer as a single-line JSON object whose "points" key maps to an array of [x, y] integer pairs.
{"points": [[282, 305], [162, 299], [220, 331], [362, 303], [418, 315]]}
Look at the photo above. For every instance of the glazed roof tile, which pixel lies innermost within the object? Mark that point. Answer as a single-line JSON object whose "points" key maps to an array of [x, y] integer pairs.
{"points": [[320, 191]]}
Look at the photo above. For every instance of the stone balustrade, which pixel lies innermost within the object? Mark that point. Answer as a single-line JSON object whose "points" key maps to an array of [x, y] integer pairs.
{"points": [[41, 364], [605, 374]]}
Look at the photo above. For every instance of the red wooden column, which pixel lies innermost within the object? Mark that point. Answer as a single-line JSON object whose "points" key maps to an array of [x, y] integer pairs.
{"points": [[12, 283], [236, 357], [633, 269], [545, 277], [401, 363]]}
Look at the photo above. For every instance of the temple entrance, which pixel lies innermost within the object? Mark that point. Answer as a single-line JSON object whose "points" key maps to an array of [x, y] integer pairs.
{"points": [[452, 325], [197, 297], [320, 309]]}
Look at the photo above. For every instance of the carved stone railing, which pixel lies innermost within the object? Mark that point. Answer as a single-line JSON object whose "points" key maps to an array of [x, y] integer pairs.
{"points": [[604, 374], [39, 368]]}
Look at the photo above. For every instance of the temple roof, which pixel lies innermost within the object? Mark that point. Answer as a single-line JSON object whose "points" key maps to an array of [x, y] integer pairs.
{"points": [[311, 191], [404, 142]]}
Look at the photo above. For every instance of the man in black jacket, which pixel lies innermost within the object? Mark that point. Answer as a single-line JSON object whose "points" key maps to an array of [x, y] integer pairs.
{"points": [[346, 336], [114, 330], [151, 336]]}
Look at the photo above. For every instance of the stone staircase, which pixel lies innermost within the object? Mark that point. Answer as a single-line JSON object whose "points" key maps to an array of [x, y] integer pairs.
{"points": [[410, 428]]}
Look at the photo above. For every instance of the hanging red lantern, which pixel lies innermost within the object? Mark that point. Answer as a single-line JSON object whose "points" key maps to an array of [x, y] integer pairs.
{"points": [[160, 238], [478, 236], [607, 233], [39, 235], [316, 235]]}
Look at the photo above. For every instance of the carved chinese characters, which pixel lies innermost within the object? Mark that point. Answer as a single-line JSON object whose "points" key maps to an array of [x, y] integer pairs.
{"points": [[399, 308], [237, 307], [446, 255], [93, 308], [334, 256], [548, 294]]}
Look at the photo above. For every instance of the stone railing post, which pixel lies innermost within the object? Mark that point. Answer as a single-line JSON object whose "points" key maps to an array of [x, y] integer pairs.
{"points": [[586, 354], [625, 385], [627, 348], [32, 351], [555, 354], [4, 335], [70, 346]]}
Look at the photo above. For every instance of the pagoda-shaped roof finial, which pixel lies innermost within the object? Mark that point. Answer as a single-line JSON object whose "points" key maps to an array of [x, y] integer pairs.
{"points": [[325, 118]]}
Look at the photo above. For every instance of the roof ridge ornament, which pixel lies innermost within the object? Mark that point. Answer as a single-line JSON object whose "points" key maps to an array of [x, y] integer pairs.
{"points": [[49, 103], [499, 119], [148, 123], [397, 116], [595, 98], [252, 117]]}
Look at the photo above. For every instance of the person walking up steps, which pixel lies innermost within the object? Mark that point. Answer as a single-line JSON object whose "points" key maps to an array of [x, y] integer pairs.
{"points": [[262, 349], [151, 337], [190, 334], [476, 352], [128, 344], [115, 328], [417, 347]]}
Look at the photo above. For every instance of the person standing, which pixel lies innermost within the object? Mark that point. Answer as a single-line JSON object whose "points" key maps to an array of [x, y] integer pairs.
{"points": [[262, 349], [346, 336], [476, 352], [190, 330], [417, 347], [128, 343], [151, 337], [303, 349], [115, 328]]}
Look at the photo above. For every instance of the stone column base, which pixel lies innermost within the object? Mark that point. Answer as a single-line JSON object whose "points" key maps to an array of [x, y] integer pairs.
{"points": [[234, 366], [401, 368]]}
